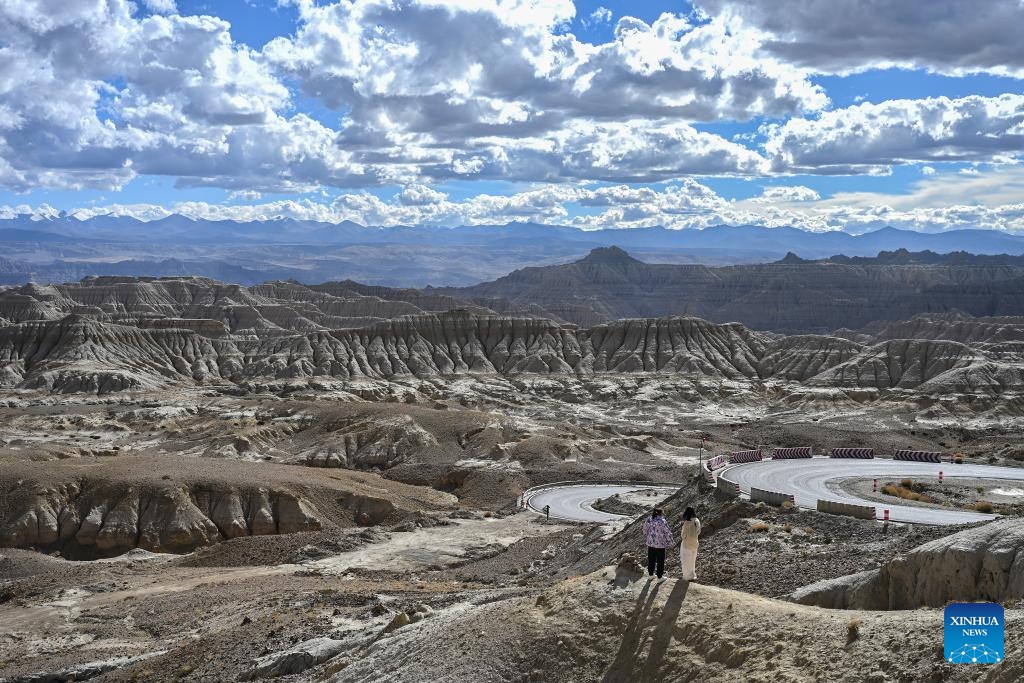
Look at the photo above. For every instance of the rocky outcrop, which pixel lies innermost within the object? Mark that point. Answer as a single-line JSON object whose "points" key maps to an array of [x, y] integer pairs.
{"points": [[296, 659], [91, 518], [904, 363], [983, 563], [802, 357], [381, 442], [682, 345], [367, 510], [80, 354], [926, 367]]}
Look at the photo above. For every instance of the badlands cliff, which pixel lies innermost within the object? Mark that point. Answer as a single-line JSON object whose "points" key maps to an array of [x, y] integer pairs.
{"points": [[105, 335]]}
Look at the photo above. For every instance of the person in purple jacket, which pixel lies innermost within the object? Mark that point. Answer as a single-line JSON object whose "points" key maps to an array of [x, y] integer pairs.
{"points": [[659, 537]]}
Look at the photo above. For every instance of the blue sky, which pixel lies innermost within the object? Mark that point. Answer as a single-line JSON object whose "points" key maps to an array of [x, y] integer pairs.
{"points": [[595, 114]]}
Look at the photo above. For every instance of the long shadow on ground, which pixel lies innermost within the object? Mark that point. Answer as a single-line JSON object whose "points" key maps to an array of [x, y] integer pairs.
{"points": [[628, 664]]}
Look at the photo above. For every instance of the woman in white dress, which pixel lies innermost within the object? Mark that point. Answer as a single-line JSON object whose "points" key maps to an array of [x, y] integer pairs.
{"points": [[688, 548]]}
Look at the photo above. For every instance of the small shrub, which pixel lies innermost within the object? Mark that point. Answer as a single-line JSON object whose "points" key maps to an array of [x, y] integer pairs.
{"points": [[906, 483], [808, 530], [853, 630], [787, 505], [488, 514], [958, 459], [981, 489], [788, 528], [905, 492], [982, 506], [760, 527]]}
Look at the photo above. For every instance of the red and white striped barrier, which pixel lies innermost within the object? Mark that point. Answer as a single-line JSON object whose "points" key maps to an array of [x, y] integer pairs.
{"points": [[717, 462], [864, 453], [745, 456], [917, 456], [709, 476], [791, 453]]}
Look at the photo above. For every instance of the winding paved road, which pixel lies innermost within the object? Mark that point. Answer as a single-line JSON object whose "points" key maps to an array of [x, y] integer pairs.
{"points": [[809, 480], [573, 502]]}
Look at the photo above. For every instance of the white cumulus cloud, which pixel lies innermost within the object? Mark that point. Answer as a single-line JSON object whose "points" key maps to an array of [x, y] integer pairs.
{"points": [[873, 137], [787, 193], [947, 36]]}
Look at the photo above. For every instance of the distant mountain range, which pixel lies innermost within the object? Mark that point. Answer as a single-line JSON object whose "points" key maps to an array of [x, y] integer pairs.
{"points": [[65, 248]]}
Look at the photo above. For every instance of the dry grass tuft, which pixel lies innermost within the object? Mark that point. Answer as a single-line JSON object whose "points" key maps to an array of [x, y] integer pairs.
{"points": [[853, 630], [760, 527], [981, 506], [905, 492]]}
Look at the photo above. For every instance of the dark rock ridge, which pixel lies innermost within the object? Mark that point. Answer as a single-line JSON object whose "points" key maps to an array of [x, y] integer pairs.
{"points": [[791, 296], [266, 308], [956, 327], [907, 257]]}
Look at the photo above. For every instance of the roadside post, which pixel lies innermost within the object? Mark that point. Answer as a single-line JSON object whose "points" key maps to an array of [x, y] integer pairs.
{"points": [[547, 512]]}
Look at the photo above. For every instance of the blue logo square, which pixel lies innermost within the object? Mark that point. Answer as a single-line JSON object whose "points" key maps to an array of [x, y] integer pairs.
{"points": [[973, 632]]}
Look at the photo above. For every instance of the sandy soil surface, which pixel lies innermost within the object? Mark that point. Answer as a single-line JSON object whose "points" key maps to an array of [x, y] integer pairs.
{"points": [[438, 546]]}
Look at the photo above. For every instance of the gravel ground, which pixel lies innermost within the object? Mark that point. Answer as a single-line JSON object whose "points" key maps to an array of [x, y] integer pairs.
{"points": [[800, 547]]}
